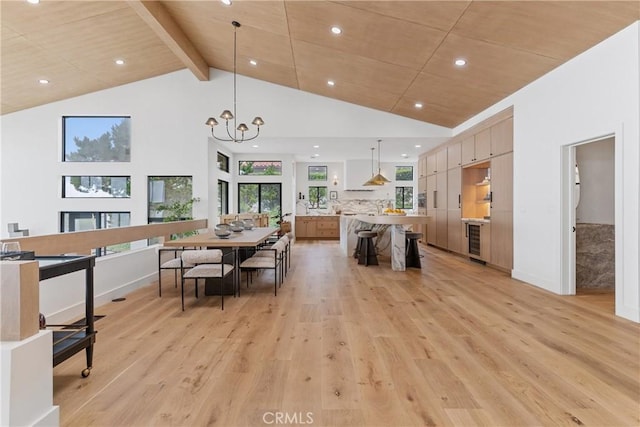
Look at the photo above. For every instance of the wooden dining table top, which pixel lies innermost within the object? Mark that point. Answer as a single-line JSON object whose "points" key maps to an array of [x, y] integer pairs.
{"points": [[245, 238]]}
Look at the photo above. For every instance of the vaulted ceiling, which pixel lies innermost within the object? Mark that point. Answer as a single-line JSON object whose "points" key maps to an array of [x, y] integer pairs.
{"points": [[390, 55]]}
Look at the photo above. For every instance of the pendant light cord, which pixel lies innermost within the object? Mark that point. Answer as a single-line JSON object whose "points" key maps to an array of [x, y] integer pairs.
{"points": [[235, 37]]}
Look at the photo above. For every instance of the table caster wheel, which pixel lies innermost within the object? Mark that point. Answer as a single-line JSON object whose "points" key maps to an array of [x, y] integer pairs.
{"points": [[85, 372]]}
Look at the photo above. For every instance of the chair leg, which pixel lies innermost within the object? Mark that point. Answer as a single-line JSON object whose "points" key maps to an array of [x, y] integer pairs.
{"points": [[182, 292]]}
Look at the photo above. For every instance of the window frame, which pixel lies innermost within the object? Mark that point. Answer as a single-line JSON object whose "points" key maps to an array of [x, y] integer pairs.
{"points": [[278, 162], [65, 125], [64, 186], [324, 177], [223, 201], [223, 164], [404, 201], [272, 221], [154, 220], [317, 205], [100, 217], [404, 180]]}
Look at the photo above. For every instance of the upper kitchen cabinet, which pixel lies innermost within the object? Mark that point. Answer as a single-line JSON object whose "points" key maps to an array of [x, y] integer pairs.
{"points": [[422, 166], [477, 147], [454, 155], [437, 162], [502, 137]]}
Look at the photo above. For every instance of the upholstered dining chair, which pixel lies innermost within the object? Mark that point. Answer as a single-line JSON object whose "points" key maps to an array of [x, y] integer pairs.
{"points": [[169, 259], [267, 259], [207, 264]]}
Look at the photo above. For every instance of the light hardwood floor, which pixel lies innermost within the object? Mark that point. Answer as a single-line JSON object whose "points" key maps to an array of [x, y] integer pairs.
{"points": [[453, 344]]}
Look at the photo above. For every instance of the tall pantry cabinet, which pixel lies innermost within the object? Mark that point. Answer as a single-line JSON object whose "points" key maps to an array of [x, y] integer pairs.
{"points": [[436, 197], [459, 167]]}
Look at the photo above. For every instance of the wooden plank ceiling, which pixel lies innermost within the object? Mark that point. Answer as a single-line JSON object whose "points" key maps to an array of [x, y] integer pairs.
{"points": [[390, 55]]}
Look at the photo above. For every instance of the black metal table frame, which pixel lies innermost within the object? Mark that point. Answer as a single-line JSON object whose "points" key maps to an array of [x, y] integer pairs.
{"points": [[76, 337]]}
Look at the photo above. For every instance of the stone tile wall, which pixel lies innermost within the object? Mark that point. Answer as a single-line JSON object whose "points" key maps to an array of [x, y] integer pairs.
{"points": [[595, 256]]}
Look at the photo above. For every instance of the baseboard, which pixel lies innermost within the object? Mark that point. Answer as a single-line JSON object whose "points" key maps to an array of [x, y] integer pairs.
{"points": [[536, 281], [77, 310]]}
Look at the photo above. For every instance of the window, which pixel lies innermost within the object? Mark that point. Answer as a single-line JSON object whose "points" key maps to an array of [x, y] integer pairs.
{"points": [[256, 168], [223, 197], [81, 221], [404, 173], [165, 191], [96, 139], [317, 173], [96, 186], [317, 197], [404, 197], [223, 162], [261, 198]]}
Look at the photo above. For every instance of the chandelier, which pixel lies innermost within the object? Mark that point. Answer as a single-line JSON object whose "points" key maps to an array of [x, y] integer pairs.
{"points": [[378, 179], [227, 115]]}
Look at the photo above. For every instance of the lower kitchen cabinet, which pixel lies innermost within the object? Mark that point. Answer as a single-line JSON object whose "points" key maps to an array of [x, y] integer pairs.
{"points": [[318, 227]]}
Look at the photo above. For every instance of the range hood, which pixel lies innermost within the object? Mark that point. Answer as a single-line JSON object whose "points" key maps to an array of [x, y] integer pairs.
{"points": [[356, 173]]}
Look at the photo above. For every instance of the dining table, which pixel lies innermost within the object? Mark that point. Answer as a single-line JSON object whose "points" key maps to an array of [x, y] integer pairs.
{"points": [[236, 240]]}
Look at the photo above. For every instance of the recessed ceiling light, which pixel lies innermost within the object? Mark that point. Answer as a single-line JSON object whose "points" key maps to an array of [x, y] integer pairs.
{"points": [[336, 30], [461, 62], [253, 62], [316, 155], [418, 104], [226, 2], [331, 83], [404, 155], [316, 146], [120, 61], [418, 145], [33, 1], [43, 81], [255, 146]]}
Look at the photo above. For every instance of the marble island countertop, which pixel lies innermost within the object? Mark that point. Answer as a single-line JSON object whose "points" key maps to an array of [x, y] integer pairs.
{"points": [[393, 219], [314, 215]]}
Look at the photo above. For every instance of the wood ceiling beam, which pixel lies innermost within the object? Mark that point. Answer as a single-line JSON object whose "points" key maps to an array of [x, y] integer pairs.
{"points": [[162, 23]]}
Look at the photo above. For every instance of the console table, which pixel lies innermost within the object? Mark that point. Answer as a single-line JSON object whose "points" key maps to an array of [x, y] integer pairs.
{"points": [[71, 339]]}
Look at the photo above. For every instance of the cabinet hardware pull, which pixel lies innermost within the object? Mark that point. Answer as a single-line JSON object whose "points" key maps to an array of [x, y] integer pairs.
{"points": [[458, 201], [435, 199]]}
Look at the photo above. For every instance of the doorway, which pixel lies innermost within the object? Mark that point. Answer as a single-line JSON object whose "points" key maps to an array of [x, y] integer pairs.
{"points": [[590, 187]]}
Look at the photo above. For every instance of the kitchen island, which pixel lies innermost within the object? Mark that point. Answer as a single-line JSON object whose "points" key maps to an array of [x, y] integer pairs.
{"points": [[391, 234]]}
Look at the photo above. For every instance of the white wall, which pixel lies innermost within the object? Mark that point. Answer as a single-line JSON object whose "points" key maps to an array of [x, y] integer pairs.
{"points": [[597, 187], [168, 138], [594, 95]]}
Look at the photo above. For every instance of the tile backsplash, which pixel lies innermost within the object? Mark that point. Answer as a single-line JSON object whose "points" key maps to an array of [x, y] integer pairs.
{"points": [[358, 206]]}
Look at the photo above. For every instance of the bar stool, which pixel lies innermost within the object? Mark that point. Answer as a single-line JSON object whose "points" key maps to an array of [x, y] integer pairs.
{"points": [[367, 255], [356, 252], [412, 253]]}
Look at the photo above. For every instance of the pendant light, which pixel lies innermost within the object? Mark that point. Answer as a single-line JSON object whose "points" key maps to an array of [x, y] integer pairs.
{"points": [[227, 115], [378, 179]]}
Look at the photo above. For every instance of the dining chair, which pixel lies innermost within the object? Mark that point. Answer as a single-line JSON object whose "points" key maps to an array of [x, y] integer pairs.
{"points": [[173, 263], [267, 259], [207, 264]]}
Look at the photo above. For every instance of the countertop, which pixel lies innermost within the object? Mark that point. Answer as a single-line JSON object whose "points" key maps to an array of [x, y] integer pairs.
{"points": [[318, 216], [393, 219], [481, 220]]}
